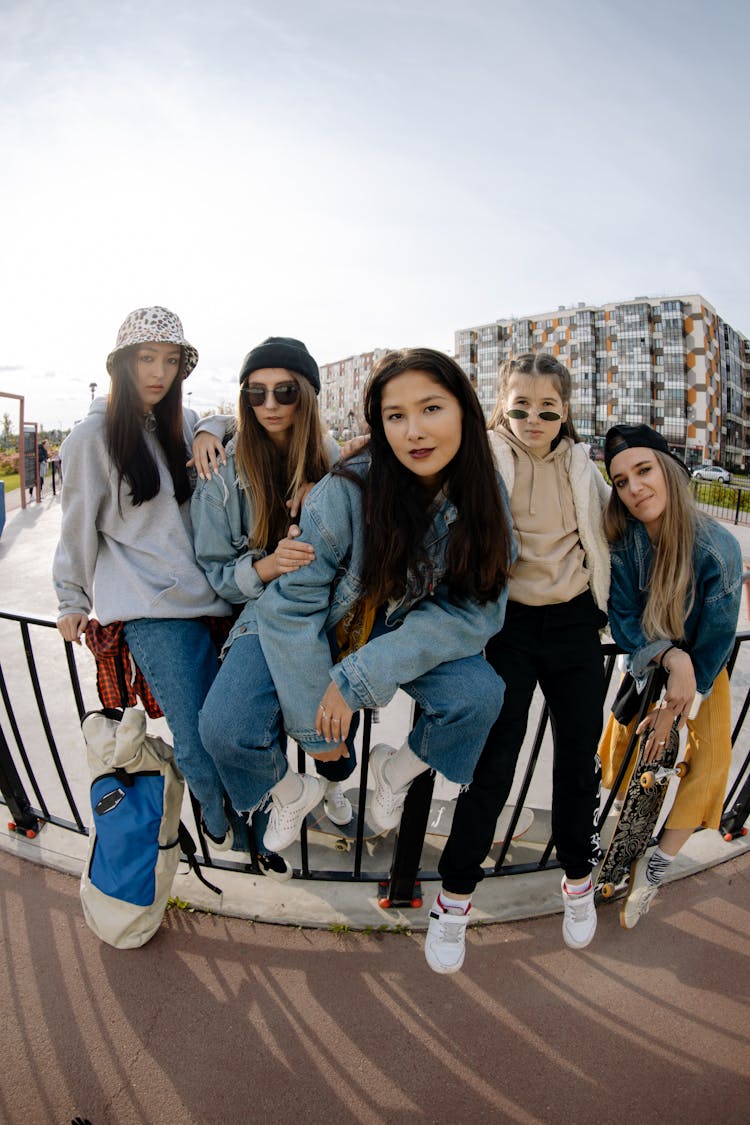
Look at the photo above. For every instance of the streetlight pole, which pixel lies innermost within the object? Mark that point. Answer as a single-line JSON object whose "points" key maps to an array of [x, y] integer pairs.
{"points": [[92, 388]]}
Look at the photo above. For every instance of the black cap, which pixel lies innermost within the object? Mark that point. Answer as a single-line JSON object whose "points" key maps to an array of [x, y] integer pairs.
{"points": [[282, 351], [637, 437]]}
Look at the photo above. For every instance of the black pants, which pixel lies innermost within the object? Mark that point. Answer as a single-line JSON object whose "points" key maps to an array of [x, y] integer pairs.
{"points": [[558, 647]]}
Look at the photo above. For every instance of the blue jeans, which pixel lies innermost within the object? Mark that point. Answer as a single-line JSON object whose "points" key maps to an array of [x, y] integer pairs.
{"points": [[241, 727], [241, 723], [179, 661]]}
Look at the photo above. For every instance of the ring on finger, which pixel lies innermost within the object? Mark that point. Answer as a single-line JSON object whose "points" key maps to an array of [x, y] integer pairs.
{"points": [[322, 708]]}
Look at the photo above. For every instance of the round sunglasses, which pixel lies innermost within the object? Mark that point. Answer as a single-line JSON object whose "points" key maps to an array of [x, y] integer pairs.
{"points": [[545, 415], [283, 393]]}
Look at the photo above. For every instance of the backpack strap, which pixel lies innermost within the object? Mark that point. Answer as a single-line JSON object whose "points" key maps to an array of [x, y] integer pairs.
{"points": [[188, 847]]}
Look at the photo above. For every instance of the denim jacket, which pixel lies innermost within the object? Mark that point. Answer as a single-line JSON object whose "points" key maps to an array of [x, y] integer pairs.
{"points": [[298, 610], [222, 519], [712, 622]]}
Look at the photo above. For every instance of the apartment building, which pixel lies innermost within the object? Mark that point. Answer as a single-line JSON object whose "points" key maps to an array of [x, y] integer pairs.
{"points": [[669, 361], [341, 388]]}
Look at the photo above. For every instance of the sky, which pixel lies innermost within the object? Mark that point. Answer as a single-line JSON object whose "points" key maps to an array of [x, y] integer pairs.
{"points": [[356, 174]]}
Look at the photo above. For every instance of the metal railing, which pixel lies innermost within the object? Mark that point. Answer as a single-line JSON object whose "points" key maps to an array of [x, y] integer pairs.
{"points": [[723, 501], [40, 753]]}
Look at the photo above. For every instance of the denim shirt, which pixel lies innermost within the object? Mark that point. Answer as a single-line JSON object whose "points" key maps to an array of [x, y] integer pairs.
{"points": [[298, 610], [222, 519], [712, 622]]}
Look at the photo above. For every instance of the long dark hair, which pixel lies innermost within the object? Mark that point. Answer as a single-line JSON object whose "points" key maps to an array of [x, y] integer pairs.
{"points": [[125, 432], [396, 508]]}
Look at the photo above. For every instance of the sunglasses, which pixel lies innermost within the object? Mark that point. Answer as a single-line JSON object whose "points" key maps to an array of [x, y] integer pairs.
{"points": [[284, 394], [545, 415]]}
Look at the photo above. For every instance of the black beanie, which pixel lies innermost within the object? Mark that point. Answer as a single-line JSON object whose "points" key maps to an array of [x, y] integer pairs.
{"points": [[636, 437], [282, 351]]}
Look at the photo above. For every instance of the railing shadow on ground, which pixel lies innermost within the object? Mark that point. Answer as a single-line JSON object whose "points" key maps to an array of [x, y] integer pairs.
{"points": [[44, 778]]}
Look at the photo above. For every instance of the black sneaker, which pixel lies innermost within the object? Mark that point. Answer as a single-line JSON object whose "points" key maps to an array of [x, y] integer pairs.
{"points": [[275, 867]]}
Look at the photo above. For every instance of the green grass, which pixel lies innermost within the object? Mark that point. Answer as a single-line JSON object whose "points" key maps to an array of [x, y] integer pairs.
{"points": [[11, 482], [717, 495]]}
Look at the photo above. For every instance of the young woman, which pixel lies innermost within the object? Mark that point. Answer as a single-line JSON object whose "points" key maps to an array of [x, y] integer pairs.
{"points": [[241, 513], [675, 598], [412, 545], [556, 602], [126, 541]]}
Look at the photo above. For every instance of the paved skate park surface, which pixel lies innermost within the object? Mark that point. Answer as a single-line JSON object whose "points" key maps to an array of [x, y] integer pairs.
{"points": [[221, 1019]]}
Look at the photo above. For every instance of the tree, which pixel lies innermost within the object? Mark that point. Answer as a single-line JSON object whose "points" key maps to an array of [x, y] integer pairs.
{"points": [[7, 432]]}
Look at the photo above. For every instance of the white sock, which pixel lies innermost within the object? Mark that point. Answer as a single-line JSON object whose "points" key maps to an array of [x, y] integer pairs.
{"points": [[403, 767], [577, 888], [289, 788], [448, 903]]}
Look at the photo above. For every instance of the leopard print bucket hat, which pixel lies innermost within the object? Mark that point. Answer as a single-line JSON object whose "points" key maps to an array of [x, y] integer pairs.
{"points": [[155, 325]]}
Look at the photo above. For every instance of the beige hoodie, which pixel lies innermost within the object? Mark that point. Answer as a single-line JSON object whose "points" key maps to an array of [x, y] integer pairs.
{"points": [[551, 566]]}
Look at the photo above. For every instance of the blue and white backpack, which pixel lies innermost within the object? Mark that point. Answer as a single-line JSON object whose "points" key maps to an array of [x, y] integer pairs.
{"points": [[136, 835]]}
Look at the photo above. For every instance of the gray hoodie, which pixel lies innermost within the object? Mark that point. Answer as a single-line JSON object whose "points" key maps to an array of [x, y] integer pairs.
{"points": [[124, 561]]}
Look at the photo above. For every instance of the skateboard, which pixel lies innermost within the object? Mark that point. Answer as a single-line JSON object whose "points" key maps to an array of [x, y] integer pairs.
{"points": [[637, 820], [344, 836], [441, 818]]}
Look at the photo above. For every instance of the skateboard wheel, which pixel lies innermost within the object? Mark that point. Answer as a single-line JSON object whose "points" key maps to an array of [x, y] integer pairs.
{"points": [[729, 836], [744, 832], [30, 833], [384, 903], [607, 890], [416, 903], [682, 769], [647, 780], [11, 825]]}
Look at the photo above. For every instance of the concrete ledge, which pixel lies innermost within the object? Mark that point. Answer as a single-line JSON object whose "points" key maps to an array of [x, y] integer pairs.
{"points": [[323, 904]]}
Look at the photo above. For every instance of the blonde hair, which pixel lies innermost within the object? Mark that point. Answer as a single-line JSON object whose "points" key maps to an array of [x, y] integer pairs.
{"points": [[534, 363], [671, 585], [270, 478]]}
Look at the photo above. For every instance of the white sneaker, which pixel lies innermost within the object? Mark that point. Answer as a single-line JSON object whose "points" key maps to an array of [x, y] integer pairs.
{"points": [[640, 895], [444, 946], [285, 821], [219, 843], [336, 806], [386, 804], [579, 918]]}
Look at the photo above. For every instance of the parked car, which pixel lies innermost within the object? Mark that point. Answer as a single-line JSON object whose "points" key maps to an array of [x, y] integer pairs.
{"points": [[712, 472]]}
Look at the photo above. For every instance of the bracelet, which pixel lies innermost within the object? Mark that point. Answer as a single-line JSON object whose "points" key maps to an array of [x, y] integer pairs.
{"points": [[661, 658]]}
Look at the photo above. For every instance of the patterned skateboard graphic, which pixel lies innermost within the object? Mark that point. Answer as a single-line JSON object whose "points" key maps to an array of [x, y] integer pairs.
{"points": [[640, 811]]}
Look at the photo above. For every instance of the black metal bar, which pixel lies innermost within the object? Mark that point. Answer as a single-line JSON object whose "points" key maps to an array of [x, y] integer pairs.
{"points": [[41, 707], [362, 795], [14, 794], [402, 882], [304, 850], [75, 683], [21, 747]]}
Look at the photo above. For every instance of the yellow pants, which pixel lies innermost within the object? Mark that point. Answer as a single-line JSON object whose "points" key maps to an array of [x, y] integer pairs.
{"points": [[700, 795]]}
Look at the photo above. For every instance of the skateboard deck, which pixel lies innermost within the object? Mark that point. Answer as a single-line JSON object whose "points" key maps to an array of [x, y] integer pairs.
{"points": [[441, 819], [640, 811], [343, 836]]}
